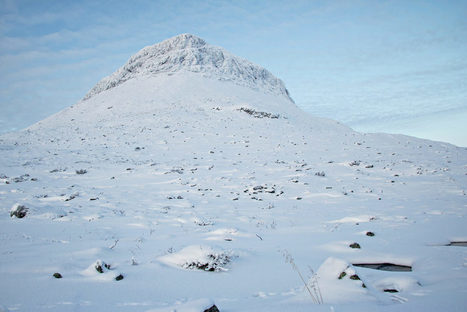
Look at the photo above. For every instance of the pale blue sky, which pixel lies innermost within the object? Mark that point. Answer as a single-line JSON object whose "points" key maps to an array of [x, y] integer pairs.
{"points": [[392, 66]]}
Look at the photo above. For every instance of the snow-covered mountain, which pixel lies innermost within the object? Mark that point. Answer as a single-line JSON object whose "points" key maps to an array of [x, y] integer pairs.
{"points": [[192, 174], [189, 53]]}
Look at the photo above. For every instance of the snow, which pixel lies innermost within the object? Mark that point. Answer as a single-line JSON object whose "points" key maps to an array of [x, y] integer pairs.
{"points": [[176, 171]]}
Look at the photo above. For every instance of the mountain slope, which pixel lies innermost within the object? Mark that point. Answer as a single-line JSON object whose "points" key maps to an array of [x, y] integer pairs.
{"points": [[165, 168]]}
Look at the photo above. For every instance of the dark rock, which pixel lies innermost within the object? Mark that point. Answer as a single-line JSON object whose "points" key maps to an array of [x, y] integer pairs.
{"points": [[119, 277], [385, 267], [212, 309], [355, 245], [57, 275], [459, 244], [100, 267], [354, 277], [391, 290], [371, 234]]}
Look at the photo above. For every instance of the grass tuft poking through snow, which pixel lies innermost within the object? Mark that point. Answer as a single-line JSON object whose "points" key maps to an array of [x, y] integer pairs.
{"points": [[312, 286]]}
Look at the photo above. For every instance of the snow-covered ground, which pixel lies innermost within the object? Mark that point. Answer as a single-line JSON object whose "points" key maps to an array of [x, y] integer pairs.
{"points": [[199, 188]]}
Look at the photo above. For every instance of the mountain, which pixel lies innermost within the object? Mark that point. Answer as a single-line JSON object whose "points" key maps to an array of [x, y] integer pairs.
{"points": [[190, 53], [190, 178]]}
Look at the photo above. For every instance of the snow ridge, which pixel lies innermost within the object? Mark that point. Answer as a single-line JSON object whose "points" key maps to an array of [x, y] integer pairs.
{"points": [[187, 52]]}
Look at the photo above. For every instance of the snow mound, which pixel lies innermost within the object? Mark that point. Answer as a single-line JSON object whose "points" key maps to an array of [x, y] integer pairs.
{"points": [[100, 271], [398, 283], [198, 305], [186, 52], [339, 283]]}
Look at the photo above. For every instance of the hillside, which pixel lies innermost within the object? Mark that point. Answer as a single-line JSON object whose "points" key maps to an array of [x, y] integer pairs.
{"points": [[192, 174]]}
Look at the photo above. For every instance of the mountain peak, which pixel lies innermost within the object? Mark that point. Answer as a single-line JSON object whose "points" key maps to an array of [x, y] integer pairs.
{"points": [[187, 52], [184, 41]]}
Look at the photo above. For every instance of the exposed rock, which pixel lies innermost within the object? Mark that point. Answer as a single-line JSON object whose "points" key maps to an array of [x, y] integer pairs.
{"points": [[212, 309], [18, 211], [355, 245], [119, 277], [385, 266]]}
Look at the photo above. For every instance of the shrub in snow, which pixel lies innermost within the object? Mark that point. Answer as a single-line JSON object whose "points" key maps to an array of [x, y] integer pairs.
{"points": [[212, 262], [199, 258], [81, 171], [354, 163], [57, 275], [320, 174], [18, 211]]}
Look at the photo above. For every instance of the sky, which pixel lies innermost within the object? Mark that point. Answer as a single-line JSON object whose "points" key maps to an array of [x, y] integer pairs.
{"points": [[377, 66]]}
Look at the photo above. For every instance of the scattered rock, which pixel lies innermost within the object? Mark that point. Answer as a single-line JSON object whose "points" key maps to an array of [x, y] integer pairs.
{"points": [[256, 114], [21, 178], [100, 265], [57, 275], [355, 245], [119, 277], [72, 196]]}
